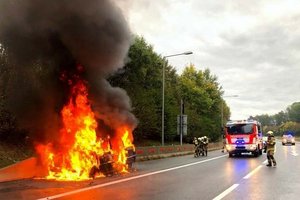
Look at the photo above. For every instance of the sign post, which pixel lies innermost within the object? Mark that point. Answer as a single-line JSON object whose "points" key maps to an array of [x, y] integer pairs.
{"points": [[181, 122]]}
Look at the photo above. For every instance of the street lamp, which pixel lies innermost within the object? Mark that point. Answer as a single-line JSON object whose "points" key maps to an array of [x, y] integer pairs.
{"points": [[163, 95]]}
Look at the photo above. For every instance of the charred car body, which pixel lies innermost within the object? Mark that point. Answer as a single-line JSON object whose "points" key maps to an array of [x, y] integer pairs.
{"points": [[106, 162]]}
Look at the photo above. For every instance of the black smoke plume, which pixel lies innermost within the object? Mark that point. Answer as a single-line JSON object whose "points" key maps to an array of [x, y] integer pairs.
{"points": [[48, 39]]}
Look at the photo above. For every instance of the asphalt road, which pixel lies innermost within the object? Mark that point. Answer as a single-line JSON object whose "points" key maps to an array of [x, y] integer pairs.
{"points": [[186, 177]]}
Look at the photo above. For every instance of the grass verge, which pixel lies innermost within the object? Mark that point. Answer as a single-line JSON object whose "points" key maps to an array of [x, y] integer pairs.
{"points": [[12, 153]]}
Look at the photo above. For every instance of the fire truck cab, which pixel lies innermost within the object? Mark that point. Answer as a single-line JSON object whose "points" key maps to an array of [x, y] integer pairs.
{"points": [[243, 136]]}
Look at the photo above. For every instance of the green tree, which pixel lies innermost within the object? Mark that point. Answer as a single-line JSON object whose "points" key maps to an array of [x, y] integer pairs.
{"points": [[141, 78], [202, 94], [8, 127], [290, 126], [265, 119], [281, 117], [294, 112]]}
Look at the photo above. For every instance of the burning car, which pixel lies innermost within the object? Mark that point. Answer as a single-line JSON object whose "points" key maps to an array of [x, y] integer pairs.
{"points": [[81, 154], [82, 125]]}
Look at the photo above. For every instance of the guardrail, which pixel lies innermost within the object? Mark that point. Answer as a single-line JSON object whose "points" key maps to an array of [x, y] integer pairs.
{"points": [[156, 152]]}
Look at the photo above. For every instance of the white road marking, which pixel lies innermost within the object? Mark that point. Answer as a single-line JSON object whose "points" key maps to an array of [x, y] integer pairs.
{"points": [[265, 162], [223, 194], [252, 172], [294, 152], [128, 179]]}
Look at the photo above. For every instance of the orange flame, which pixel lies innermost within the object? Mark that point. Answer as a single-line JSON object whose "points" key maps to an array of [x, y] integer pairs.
{"points": [[79, 148]]}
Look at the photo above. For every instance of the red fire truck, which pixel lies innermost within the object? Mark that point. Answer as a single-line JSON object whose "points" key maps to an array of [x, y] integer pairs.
{"points": [[243, 136]]}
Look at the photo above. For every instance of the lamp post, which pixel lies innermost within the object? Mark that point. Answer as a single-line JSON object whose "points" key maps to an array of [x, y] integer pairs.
{"points": [[163, 94]]}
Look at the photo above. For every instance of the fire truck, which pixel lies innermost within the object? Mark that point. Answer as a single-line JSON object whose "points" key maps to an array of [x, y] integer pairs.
{"points": [[243, 136]]}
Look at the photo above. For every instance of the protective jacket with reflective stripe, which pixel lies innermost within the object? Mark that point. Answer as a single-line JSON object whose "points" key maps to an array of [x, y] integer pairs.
{"points": [[271, 143]]}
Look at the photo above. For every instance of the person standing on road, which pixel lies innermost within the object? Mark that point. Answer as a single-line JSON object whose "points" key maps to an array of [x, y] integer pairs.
{"points": [[271, 149], [196, 143], [205, 145]]}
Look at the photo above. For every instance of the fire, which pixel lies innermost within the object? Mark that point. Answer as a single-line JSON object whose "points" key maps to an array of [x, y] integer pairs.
{"points": [[79, 149]]}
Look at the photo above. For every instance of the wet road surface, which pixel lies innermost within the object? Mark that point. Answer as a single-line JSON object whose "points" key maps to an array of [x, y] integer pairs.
{"points": [[186, 177]]}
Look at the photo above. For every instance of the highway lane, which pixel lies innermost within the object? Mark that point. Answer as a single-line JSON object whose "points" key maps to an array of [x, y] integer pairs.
{"points": [[205, 179], [280, 182], [178, 178]]}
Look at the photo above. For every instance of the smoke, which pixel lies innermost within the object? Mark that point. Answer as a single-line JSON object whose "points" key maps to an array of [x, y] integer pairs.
{"points": [[45, 39]]}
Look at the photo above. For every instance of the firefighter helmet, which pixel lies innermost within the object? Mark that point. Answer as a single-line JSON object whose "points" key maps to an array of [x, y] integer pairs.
{"points": [[270, 133]]}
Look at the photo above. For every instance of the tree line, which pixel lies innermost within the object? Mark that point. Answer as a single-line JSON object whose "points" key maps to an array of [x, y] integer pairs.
{"points": [[198, 89], [141, 78], [288, 119]]}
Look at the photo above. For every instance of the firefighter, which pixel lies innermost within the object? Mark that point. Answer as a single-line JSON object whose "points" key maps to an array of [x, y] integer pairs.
{"points": [[201, 146], [205, 145], [131, 156], [271, 149], [196, 143]]}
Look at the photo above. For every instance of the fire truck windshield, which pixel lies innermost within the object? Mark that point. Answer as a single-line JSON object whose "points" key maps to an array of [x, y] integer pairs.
{"points": [[236, 129]]}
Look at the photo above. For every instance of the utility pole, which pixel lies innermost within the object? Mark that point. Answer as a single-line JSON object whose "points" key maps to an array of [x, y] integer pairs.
{"points": [[181, 120]]}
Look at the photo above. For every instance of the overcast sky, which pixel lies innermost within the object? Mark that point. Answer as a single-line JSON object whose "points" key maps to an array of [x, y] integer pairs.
{"points": [[252, 46]]}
